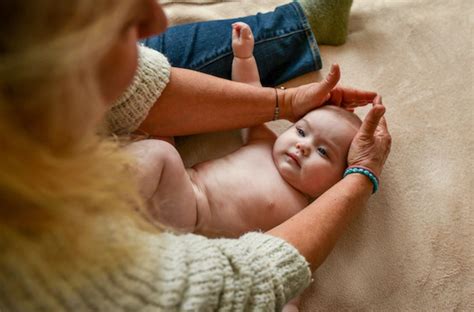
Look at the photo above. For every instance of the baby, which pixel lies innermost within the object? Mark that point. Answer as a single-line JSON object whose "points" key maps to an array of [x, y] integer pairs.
{"points": [[260, 185]]}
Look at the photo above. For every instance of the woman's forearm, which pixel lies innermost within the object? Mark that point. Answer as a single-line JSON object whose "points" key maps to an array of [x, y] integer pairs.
{"points": [[208, 104], [315, 230]]}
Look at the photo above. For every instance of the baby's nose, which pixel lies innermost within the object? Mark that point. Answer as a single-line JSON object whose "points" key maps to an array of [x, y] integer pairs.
{"points": [[303, 148]]}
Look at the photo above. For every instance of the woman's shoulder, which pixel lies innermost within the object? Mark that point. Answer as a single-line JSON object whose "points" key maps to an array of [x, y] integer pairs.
{"points": [[151, 78]]}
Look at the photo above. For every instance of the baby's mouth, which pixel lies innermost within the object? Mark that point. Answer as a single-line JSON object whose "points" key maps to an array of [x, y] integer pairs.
{"points": [[294, 158]]}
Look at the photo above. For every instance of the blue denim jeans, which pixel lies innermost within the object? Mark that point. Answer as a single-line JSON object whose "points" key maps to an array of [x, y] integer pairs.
{"points": [[285, 46]]}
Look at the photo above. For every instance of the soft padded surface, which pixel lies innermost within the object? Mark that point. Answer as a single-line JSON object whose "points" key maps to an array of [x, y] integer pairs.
{"points": [[412, 248]]}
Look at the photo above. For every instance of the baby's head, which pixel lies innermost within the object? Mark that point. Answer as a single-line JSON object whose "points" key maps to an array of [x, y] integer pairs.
{"points": [[312, 154]]}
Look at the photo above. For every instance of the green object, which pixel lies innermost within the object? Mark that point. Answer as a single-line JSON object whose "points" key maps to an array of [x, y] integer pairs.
{"points": [[369, 174], [328, 19]]}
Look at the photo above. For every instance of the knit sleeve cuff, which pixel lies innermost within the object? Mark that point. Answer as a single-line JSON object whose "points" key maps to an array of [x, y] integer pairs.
{"points": [[150, 80], [289, 269], [263, 271], [256, 272]]}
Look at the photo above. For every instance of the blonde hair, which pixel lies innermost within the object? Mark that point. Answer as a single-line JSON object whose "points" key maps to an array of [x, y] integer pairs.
{"points": [[56, 171]]}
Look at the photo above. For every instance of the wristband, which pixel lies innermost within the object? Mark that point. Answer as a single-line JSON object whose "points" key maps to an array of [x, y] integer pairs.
{"points": [[365, 171], [276, 112]]}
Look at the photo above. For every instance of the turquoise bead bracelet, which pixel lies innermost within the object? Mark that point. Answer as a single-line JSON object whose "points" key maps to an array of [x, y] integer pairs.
{"points": [[369, 174]]}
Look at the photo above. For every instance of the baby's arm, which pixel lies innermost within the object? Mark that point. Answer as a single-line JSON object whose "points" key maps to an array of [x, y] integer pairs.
{"points": [[244, 66], [164, 184]]}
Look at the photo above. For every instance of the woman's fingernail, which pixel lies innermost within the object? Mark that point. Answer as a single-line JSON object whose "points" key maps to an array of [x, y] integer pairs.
{"points": [[380, 110]]}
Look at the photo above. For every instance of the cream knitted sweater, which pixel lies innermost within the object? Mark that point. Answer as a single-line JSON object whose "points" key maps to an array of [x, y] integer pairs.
{"points": [[159, 272], [150, 80]]}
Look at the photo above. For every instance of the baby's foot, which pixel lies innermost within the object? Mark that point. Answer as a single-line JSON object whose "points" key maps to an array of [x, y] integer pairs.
{"points": [[242, 40], [328, 19]]}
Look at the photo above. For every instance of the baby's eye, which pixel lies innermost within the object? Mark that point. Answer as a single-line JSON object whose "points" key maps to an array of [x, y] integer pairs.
{"points": [[300, 132], [322, 151]]}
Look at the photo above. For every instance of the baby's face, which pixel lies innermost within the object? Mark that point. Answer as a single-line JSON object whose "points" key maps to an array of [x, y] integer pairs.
{"points": [[311, 155]]}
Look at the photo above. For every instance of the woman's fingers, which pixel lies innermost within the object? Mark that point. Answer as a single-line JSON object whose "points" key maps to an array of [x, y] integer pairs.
{"points": [[383, 124], [378, 99], [351, 95], [371, 146], [371, 121], [384, 135], [351, 98]]}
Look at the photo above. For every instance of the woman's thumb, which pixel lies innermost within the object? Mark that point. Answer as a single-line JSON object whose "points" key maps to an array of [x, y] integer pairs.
{"points": [[331, 79]]}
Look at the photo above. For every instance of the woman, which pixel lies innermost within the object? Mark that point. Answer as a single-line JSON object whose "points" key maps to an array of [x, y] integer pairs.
{"points": [[69, 238]]}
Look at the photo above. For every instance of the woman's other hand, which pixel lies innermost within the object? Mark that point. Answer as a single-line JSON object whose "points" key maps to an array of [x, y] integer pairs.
{"points": [[298, 101], [371, 145], [315, 230]]}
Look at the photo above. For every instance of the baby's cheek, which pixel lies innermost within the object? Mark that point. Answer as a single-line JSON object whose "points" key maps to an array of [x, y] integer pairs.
{"points": [[323, 181]]}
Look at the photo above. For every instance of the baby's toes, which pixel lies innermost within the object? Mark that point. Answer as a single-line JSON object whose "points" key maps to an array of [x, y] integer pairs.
{"points": [[246, 33], [235, 32]]}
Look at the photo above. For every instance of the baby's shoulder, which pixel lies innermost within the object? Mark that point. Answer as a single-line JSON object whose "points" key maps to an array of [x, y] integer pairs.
{"points": [[259, 133]]}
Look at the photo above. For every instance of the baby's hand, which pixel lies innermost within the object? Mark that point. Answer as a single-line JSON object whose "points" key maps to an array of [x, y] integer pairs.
{"points": [[242, 40]]}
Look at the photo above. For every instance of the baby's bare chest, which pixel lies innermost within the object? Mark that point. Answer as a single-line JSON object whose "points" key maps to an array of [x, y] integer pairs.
{"points": [[247, 187]]}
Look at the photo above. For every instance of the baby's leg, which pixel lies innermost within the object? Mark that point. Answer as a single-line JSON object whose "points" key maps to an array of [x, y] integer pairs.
{"points": [[244, 66], [164, 184], [139, 135]]}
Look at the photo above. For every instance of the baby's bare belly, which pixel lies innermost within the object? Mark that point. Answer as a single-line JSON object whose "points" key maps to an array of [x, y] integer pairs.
{"points": [[243, 192]]}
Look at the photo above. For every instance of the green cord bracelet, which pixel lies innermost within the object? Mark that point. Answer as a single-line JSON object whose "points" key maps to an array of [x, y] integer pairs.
{"points": [[369, 174]]}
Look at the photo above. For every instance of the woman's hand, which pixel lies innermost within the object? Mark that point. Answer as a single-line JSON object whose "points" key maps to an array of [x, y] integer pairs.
{"points": [[371, 145], [315, 230], [298, 101]]}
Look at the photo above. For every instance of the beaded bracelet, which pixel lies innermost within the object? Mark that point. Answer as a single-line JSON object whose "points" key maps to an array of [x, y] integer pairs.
{"points": [[369, 174]]}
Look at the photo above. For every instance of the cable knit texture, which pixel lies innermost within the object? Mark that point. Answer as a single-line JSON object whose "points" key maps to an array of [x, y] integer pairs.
{"points": [[161, 272], [150, 80]]}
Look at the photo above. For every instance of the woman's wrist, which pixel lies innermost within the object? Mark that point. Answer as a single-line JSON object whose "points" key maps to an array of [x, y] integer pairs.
{"points": [[285, 109], [361, 170], [360, 183], [315, 230]]}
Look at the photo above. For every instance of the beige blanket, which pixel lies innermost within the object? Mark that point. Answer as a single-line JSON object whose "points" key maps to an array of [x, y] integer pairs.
{"points": [[412, 248]]}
